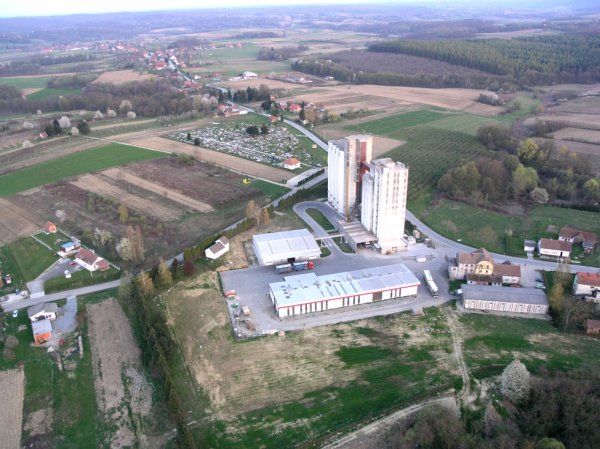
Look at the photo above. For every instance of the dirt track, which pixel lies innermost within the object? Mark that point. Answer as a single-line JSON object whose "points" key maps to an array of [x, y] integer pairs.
{"points": [[16, 222], [12, 386], [119, 174]]}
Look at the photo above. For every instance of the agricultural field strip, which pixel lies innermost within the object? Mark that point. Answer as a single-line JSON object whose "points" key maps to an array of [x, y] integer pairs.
{"points": [[581, 135], [585, 121], [122, 76], [12, 390], [118, 174], [231, 162], [103, 186], [15, 222]]}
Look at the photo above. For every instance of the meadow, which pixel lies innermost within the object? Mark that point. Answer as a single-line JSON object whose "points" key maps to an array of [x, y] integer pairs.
{"points": [[72, 165], [26, 82], [54, 92]]}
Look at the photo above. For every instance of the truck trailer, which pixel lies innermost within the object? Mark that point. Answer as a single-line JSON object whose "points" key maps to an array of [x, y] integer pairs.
{"points": [[433, 288], [295, 266]]}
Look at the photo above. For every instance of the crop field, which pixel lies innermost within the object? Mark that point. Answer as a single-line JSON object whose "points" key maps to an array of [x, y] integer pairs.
{"points": [[584, 121], [459, 220], [121, 76], [11, 397], [387, 125], [72, 165], [578, 135], [15, 222], [580, 105], [54, 92], [27, 82], [491, 342], [278, 392]]}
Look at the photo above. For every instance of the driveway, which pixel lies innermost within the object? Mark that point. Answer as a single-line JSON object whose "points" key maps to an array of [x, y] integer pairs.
{"points": [[65, 323]]}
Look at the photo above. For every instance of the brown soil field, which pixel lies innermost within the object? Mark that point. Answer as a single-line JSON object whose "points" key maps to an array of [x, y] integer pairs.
{"points": [[124, 396], [119, 174], [237, 164], [15, 222], [103, 185], [214, 185], [31, 90], [370, 61], [121, 124], [12, 389], [578, 134], [260, 372], [122, 76], [581, 105]]}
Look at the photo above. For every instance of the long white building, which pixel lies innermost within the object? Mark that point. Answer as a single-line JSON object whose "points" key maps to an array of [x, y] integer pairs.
{"points": [[383, 204], [306, 293], [280, 247], [346, 161]]}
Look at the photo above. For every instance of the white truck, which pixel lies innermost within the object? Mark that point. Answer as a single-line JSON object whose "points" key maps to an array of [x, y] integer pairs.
{"points": [[433, 288]]}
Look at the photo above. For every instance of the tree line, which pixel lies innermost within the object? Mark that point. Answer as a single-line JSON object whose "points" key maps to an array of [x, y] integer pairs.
{"points": [[529, 60], [281, 53]]}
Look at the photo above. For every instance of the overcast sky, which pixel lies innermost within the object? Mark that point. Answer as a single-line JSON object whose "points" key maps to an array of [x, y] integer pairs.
{"points": [[12, 8]]}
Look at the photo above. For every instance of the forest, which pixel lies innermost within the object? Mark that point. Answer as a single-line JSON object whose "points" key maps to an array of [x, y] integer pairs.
{"points": [[529, 60]]}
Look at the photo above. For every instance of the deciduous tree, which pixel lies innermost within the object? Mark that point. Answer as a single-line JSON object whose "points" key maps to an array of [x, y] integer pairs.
{"points": [[164, 276]]}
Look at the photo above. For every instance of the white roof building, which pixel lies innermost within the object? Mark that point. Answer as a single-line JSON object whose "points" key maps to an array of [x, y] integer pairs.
{"points": [[306, 293], [383, 209], [247, 75], [220, 247], [279, 247]]}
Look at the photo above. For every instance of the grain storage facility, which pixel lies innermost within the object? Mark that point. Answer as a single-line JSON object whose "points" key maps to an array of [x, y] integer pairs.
{"points": [[287, 246], [306, 293], [504, 299]]}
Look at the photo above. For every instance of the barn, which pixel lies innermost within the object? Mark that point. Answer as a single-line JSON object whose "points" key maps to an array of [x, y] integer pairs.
{"points": [[307, 293], [504, 299], [281, 247]]}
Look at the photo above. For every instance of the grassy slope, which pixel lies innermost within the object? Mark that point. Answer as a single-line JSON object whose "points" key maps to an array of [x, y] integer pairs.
{"points": [[72, 165], [54, 92], [26, 83], [31, 257]]}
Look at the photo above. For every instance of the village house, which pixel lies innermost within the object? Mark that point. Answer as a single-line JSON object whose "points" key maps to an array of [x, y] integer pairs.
{"points": [[509, 273], [529, 246], [295, 108], [91, 261], [69, 247], [50, 228], [554, 249], [588, 240], [587, 285], [592, 327], [42, 331], [291, 164], [477, 262], [249, 75], [44, 311], [220, 247]]}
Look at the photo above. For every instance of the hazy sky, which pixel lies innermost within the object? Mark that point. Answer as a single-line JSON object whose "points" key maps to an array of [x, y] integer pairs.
{"points": [[12, 8]]}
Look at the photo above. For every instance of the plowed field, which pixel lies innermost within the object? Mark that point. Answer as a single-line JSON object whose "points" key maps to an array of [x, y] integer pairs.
{"points": [[12, 383], [15, 222]]}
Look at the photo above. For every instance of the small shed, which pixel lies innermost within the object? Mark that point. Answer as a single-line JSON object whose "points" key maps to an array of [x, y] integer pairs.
{"points": [[50, 228], [592, 327], [42, 331], [291, 164], [220, 247]]}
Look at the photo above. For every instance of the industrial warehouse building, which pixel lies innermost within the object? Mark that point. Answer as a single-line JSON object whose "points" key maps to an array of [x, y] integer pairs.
{"points": [[504, 299], [281, 247], [306, 293]]}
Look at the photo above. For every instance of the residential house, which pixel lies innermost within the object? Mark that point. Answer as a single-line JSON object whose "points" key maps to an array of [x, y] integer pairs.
{"points": [[42, 331], [588, 240], [529, 246], [249, 75], [295, 108], [274, 118], [91, 261], [220, 247], [44, 311], [50, 228], [509, 273], [477, 262], [586, 284], [554, 249], [69, 247], [592, 327], [291, 164]]}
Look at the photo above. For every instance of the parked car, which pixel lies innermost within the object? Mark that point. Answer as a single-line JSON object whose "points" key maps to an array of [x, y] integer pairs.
{"points": [[72, 263], [15, 313]]}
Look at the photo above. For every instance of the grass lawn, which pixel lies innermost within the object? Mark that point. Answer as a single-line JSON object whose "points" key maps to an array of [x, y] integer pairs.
{"points": [[321, 219], [27, 83], [387, 125], [492, 342], [50, 92], [80, 278], [31, 257], [10, 266], [69, 392], [72, 165], [458, 220], [270, 190]]}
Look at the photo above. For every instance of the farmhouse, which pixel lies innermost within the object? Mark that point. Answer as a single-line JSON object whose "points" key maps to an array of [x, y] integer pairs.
{"points": [[592, 327], [286, 246], [69, 247], [554, 249], [291, 164], [306, 293], [220, 247], [509, 273], [587, 284], [587, 239], [91, 261], [249, 75], [501, 299], [50, 228], [477, 262], [42, 331], [45, 311]]}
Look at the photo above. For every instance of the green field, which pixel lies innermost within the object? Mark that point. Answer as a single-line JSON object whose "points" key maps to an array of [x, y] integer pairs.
{"points": [[269, 189], [72, 165], [54, 92], [32, 258], [494, 341], [27, 83], [458, 220], [387, 125], [80, 278], [321, 219]]}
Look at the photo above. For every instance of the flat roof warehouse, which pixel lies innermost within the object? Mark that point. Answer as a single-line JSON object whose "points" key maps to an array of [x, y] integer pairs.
{"points": [[308, 288], [278, 247]]}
